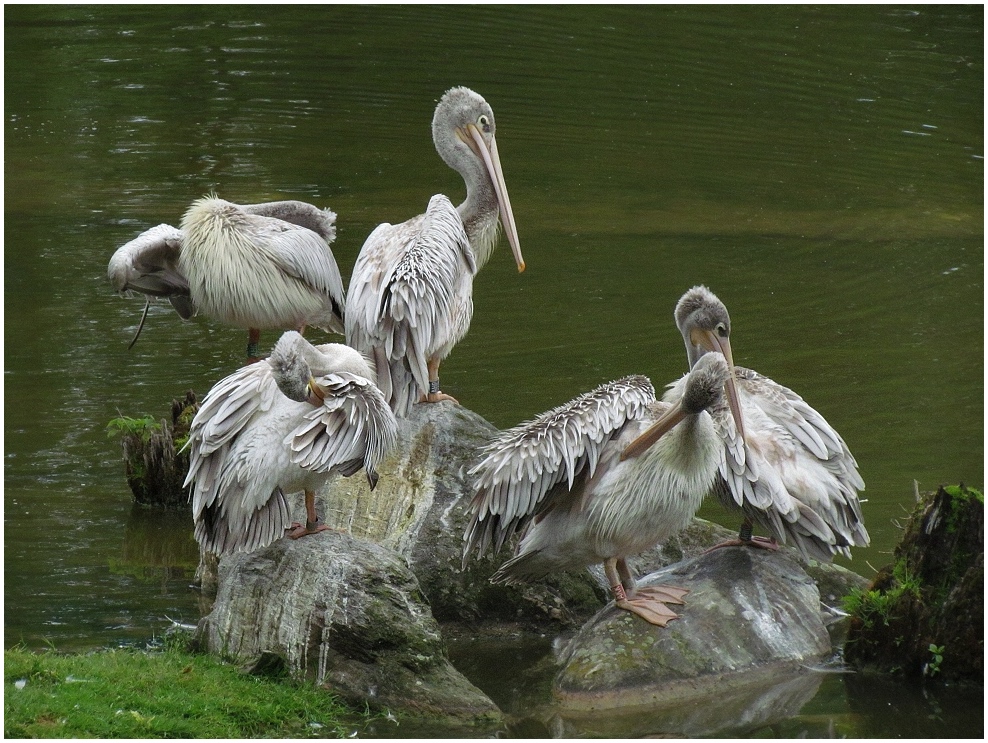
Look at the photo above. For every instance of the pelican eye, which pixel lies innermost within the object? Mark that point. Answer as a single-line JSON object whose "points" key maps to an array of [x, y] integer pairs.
{"points": [[484, 123], [721, 330]]}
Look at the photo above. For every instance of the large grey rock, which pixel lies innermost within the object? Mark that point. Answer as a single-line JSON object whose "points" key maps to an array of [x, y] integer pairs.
{"points": [[346, 614], [419, 509], [751, 619]]}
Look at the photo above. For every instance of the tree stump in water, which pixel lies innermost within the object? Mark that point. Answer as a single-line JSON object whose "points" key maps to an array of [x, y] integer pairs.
{"points": [[154, 465], [924, 614]]}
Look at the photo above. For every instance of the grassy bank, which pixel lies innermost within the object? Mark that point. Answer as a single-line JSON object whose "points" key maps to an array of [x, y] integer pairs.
{"points": [[168, 694]]}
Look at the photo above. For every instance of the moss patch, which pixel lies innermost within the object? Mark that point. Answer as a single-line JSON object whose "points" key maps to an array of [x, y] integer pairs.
{"points": [[924, 614], [154, 463]]}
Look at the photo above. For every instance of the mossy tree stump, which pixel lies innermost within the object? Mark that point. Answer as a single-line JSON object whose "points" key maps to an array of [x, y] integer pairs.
{"points": [[924, 614], [154, 464]]}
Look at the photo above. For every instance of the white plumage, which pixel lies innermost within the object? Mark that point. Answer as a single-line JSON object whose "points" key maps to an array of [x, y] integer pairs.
{"points": [[582, 489], [411, 292], [796, 478], [278, 426], [258, 266]]}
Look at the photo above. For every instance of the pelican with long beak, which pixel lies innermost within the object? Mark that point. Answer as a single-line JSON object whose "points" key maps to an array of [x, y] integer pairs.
{"points": [[795, 476], [569, 483], [411, 292]]}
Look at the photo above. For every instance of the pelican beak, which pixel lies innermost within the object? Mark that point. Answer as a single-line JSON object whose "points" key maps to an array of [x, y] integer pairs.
{"points": [[710, 341], [654, 432], [493, 164], [316, 393]]}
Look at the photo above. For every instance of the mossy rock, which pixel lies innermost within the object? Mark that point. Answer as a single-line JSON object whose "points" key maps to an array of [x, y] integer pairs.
{"points": [[154, 464], [923, 616]]}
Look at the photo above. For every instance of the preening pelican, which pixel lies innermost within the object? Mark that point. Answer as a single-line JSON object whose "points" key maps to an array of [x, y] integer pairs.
{"points": [[278, 426], [796, 477], [257, 266], [411, 292], [582, 496]]}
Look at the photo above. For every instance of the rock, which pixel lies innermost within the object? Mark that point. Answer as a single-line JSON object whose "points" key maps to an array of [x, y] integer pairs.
{"points": [[419, 509], [750, 618], [924, 614], [346, 614]]}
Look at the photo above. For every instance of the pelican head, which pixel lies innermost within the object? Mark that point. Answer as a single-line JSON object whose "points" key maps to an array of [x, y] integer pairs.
{"points": [[710, 379], [463, 132], [290, 368], [705, 325]]}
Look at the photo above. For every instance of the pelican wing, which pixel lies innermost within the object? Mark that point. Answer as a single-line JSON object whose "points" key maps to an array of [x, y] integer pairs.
{"points": [[353, 428], [148, 264], [794, 475], [320, 221], [401, 308], [813, 464], [226, 411], [303, 255], [517, 477]]}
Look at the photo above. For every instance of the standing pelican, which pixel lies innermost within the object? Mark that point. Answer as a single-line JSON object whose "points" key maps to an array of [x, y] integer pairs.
{"points": [[411, 292], [796, 477], [278, 426], [583, 493], [258, 266]]}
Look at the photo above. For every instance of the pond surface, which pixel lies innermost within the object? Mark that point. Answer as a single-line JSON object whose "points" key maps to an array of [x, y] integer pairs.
{"points": [[821, 169]]}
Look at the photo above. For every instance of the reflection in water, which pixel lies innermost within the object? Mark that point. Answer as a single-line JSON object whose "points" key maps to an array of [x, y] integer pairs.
{"points": [[766, 697], [820, 168], [158, 548]]}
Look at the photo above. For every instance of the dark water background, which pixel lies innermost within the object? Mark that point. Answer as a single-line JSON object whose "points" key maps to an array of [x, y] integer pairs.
{"points": [[820, 168]]}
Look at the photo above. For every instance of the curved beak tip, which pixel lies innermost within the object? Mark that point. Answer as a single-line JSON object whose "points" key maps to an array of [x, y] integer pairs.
{"points": [[521, 267]]}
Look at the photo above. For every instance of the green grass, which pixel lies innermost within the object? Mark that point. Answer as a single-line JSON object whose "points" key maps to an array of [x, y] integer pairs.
{"points": [[166, 694]]}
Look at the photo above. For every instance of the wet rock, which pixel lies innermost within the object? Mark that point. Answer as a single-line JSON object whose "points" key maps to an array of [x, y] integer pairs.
{"points": [[153, 463], [749, 615], [419, 509], [924, 614], [346, 614]]}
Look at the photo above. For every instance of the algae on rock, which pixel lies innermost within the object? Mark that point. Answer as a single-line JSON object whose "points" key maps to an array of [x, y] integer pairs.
{"points": [[923, 616]]}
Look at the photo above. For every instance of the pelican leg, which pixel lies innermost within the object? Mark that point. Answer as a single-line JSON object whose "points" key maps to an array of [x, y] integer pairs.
{"points": [[662, 593], [312, 525], [745, 539], [434, 394], [627, 579], [646, 603]]}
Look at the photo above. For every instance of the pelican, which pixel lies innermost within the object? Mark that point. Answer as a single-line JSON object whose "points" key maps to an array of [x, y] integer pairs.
{"points": [[410, 298], [257, 266], [573, 483], [796, 477], [278, 426]]}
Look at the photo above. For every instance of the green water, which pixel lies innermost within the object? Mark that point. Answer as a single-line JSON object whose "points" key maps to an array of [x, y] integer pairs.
{"points": [[820, 168]]}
